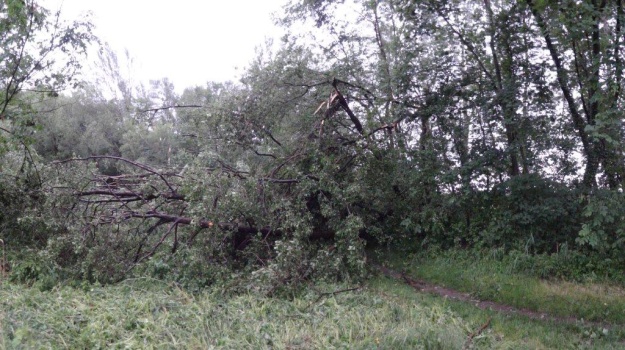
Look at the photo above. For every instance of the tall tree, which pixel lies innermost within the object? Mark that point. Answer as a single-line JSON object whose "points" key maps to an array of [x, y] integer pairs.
{"points": [[584, 40], [39, 56], [39, 53]]}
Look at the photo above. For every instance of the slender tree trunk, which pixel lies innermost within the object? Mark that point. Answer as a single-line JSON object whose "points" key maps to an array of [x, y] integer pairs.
{"points": [[506, 89], [589, 147]]}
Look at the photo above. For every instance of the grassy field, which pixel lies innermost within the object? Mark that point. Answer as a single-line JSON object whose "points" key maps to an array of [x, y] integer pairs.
{"points": [[144, 314], [384, 314], [488, 278]]}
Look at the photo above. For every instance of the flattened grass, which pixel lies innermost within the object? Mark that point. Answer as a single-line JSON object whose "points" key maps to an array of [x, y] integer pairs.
{"points": [[157, 316], [384, 314]]}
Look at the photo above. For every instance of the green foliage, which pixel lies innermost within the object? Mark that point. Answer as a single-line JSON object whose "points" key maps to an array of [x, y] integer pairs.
{"points": [[530, 212], [81, 125], [603, 230], [421, 125], [567, 264], [39, 52], [157, 146], [21, 198]]}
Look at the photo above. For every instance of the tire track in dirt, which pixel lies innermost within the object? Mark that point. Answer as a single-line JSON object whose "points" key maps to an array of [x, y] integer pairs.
{"points": [[425, 287]]}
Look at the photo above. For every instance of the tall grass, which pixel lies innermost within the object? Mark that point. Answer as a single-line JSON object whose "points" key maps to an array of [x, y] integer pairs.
{"points": [[148, 315], [384, 314]]}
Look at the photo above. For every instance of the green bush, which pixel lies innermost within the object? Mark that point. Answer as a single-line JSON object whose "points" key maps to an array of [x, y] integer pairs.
{"points": [[21, 222], [528, 212], [568, 264], [603, 230]]}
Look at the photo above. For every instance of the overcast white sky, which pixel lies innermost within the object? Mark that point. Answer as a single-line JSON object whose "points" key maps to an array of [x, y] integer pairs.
{"points": [[189, 41]]}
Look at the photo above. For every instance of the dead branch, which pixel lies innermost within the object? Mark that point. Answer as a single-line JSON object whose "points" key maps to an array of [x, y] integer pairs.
{"points": [[476, 333], [133, 163], [169, 107], [272, 137], [335, 102], [349, 112], [226, 226], [4, 265], [327, 294], [125, 195], [160, 242]]}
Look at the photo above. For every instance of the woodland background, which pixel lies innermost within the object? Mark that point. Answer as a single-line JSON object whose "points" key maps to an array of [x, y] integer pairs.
{"points": [[386, 126]]}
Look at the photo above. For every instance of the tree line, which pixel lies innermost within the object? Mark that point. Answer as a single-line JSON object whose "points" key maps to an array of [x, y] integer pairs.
{"points": [[399, 124]]}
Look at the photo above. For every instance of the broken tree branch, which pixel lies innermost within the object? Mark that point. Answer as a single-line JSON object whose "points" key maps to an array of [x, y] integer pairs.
{"points": [[169, 107], [479, 331]]}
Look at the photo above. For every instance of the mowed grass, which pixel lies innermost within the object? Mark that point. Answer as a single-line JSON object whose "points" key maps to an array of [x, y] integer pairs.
{"points": [[384, 314], [488, 278]]}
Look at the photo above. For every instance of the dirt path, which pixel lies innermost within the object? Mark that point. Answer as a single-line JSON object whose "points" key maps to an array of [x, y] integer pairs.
{"points": [[426, 287]]}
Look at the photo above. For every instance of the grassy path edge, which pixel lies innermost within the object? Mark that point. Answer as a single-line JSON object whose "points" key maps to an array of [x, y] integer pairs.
{"points": [[425, 287]]}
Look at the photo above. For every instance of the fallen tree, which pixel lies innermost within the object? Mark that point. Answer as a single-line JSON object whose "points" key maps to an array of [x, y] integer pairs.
{"points": [[290, 194]]}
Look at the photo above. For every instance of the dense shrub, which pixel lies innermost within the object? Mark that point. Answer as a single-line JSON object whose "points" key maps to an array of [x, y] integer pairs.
{"points": [[18, 184], [603, 229], [529, 212]]}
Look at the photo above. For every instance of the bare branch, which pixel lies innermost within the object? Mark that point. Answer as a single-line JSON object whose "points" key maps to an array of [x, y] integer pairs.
{"points": [[136, 164], [169, 107]]}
